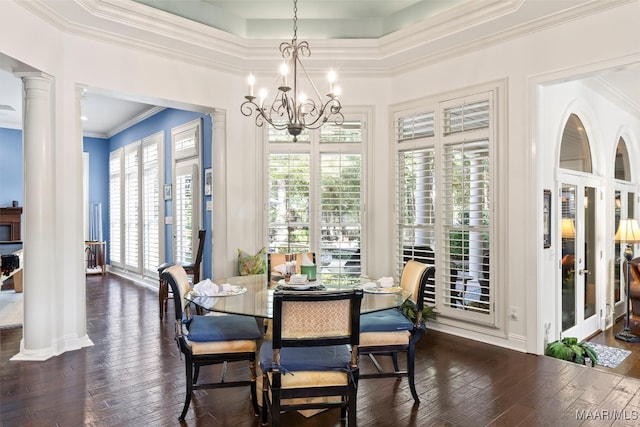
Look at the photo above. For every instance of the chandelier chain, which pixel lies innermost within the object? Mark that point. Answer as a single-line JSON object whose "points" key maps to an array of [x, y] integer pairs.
{"points": [[295, 19]]}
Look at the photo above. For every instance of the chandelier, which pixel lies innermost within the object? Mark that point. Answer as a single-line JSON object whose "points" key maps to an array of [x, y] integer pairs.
{"points": [[291, 108]]}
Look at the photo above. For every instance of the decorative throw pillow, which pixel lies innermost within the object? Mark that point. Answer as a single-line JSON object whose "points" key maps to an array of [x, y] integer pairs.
{"points": [[252, 264]]}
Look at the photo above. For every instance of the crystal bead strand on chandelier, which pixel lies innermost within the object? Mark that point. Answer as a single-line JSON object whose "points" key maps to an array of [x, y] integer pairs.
{"points": [[290, 108]]}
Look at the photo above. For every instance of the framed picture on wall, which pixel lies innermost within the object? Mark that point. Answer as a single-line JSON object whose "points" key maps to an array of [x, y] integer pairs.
{"points": [[208, 182], [167, 192], [546, 218]]}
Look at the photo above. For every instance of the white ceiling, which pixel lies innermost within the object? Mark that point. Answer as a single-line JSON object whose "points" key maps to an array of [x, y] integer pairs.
{"points": [[407, 22]]}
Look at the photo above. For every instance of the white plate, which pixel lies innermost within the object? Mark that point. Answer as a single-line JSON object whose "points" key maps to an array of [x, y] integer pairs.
{"points": [[297, 286], [390, 290], [235, 290]]}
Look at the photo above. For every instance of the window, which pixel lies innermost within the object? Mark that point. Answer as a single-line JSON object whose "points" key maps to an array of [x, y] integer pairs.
{"points": [[134, 206], [443, 200], [314, 196], [186, 142], [575, 153], [416, 214], [131, 206], [289, 191], [115, 208], [151, 197]]}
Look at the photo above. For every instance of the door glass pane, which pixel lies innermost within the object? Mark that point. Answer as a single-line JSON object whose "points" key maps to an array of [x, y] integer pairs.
{"points": [[589, 269], [568, 256], [618, 254]]}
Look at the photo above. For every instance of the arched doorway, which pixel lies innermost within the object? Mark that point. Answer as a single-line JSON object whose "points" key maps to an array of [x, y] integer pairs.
{"points": [[579, 220]]}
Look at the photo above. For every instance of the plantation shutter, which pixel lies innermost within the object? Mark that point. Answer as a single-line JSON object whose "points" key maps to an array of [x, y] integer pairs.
{"points": [[151, 203], [415, 189], [289, 202], [341, 214], [132, 207], [415, 126], [184, 222], [115, 208], [466, 164]]}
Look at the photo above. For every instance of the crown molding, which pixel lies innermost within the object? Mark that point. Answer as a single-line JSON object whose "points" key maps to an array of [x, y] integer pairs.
{"points": [[469, 26], [603, 87]]}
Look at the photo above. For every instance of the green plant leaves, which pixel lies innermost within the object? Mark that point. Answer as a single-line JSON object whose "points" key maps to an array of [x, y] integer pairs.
{"points": [[570, 349]]}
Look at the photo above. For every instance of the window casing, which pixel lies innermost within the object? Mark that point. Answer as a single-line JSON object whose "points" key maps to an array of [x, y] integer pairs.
{"points": [[186, 142], [315, 194], [444, 181]]}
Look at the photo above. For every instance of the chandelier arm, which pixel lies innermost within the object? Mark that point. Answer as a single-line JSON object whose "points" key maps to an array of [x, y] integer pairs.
{"points": [[330, 111]]}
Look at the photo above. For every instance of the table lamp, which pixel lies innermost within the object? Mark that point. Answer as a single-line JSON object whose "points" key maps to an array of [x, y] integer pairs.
{"points": [[568, 228], [628, 232]]}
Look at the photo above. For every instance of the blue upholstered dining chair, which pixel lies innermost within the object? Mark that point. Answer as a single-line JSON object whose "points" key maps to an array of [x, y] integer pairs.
{"points": [[209, 340], [389, 332], [192, 269], [313, 354]]}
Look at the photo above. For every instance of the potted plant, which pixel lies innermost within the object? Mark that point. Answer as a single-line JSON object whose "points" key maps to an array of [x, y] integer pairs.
{"points": [[410, 310], [570, 349]]}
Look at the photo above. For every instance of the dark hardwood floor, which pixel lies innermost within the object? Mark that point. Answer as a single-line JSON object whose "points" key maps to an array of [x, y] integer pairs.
{"points": [[133, 376]]}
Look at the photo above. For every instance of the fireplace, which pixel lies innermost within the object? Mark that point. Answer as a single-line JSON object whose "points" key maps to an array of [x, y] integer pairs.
{"points": [[10, 224]]}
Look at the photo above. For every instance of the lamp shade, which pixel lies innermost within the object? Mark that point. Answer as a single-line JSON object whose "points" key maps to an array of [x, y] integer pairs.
{"points": [[568, 228], [628, 231]]}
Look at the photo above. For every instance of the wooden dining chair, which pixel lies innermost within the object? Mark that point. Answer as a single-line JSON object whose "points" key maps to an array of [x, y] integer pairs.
{"points": [[389, 332], [210, 340], [192, 269], [313, 354], [276, 259]]}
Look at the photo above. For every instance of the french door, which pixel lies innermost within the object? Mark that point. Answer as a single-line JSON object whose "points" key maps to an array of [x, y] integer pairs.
{"points": [[579, 263]]}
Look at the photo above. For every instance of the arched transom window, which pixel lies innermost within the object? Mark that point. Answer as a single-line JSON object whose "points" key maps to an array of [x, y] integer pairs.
{"points": [[622, 170], [575, 153]]}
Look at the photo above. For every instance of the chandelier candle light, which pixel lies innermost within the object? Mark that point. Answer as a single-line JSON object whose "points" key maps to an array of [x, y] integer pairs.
{"points": [[291, 109]]}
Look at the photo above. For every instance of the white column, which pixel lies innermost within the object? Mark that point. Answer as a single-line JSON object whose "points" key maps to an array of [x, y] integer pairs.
{"points": [[39, 214]]}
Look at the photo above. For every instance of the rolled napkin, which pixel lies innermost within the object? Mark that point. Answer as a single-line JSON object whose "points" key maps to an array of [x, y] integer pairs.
{"points": [[385, 282], [369, 285], [297, 279], [280, 268], [205, 288], [306, 260]]}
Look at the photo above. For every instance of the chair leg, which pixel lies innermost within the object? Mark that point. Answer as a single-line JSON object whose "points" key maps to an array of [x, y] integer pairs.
{"points": [[188, 368], [353, 391], [196, 373], [411, 369], [275, 407], [265, 400], [254, 391], [162, 297], [394, 358]]}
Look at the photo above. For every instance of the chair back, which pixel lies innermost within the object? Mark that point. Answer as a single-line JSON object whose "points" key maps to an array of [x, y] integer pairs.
{"points": [[177, 278], [198, 259], [307, 319], [412, 279]]}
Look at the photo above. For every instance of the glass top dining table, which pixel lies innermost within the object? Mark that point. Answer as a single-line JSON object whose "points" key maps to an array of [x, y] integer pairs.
{"points": [[257, 300]]}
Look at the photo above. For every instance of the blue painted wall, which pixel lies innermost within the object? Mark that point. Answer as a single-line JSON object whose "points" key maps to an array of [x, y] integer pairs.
{"points": [[11, 167], [98, 149]]}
